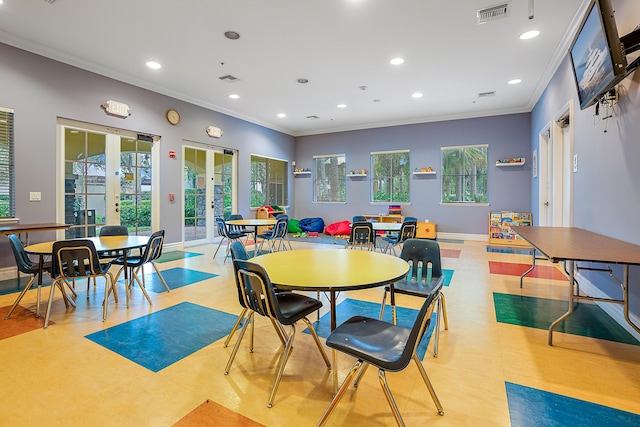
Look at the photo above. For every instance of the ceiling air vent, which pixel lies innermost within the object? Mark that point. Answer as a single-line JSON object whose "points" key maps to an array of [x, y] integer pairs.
{"points": [[313, 117], [486, 94], [50, 1], [493, 12], [229, 78]]}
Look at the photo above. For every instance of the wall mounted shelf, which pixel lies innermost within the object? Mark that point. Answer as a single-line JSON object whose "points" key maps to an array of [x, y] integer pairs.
{"points": [[356, 174], [425, 173], [302, 173], [502, 163]]}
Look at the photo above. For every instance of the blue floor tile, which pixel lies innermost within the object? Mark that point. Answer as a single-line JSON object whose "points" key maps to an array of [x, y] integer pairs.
{"points": [[160, 339], [175, 278], [176, 255], [448, 275], [530, 407], [351, 307]]}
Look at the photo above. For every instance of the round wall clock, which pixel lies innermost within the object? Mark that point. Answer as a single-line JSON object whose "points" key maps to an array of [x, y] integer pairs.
{"points": [[173, 117]]}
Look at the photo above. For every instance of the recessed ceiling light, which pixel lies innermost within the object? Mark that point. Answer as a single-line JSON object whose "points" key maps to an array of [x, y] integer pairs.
{"points": [[232, 35], [282, 115], [153, 65], [529, 34], [302, 80], [514, 81], [396, 61], [417, 95], [341, 105], [234, 96]]}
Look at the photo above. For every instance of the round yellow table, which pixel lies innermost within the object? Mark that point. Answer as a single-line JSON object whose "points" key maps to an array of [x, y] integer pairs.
{"points": [[332, 270], [253, 222]]}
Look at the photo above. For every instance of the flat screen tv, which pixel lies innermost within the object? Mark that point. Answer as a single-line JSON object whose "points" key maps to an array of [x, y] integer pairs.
{"points": [[597, 56]]}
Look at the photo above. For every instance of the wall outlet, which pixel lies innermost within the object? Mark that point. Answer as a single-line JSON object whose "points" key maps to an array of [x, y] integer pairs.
{"points": [[35, 196]]}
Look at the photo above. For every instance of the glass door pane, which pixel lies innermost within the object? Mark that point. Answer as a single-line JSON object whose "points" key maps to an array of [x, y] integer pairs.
{"points": [[195, 194], [84, 182], [135, 185]]}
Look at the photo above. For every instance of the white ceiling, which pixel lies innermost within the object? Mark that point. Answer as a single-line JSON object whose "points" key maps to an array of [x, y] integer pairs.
{"points": [[338, 45]]}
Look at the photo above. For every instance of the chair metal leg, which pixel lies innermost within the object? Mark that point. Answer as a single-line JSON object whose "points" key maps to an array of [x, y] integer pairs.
{"points": [[425, 378], [155, 267], [135, 277], [17, 301], [360, 374], [387, 393], [340, 393], [235, 326], [318, 343], [249, 319], [219, 244], [49, 303], [283, 362]]}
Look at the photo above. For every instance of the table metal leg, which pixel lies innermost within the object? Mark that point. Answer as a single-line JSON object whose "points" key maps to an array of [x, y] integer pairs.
{"points": [[570, 263]]}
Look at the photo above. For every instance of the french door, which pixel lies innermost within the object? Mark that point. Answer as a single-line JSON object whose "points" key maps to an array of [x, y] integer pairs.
{"points": [[106, 177], [209, 190]]}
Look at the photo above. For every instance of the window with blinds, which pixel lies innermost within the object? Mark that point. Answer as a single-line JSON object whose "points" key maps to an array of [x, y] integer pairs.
{"points": [[7, 165]]}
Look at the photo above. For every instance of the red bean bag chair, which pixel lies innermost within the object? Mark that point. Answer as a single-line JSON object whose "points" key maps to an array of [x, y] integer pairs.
{"points": [[338, 228], [312, 224]]}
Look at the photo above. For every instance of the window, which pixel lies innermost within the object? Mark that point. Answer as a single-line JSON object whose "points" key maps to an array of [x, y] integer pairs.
{"points": [[7, 176], [391, 174], [269, 184], [330, 178], [464, 174]]}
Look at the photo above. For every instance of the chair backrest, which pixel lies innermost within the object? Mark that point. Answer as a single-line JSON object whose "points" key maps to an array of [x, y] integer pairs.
{"points": [[75, 259], [153, 250], [237, 228], [358, 218], [361, 234], [222, 227], [418, 329], [424, 258], [114, 230], [407, 231], [280, 229], [239, 253], [258, 290], [25, 265], [410, 219]]}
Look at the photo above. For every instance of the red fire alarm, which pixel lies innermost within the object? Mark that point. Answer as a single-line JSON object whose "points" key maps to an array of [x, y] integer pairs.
{"points": [[172, 154]]}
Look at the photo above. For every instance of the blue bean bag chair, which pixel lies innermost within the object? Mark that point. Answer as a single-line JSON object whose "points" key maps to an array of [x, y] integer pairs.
{"points": [[312, 224]]}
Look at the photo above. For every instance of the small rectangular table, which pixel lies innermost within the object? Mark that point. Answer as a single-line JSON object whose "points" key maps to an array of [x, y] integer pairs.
{"points": [[26, 228], [575, 244]]}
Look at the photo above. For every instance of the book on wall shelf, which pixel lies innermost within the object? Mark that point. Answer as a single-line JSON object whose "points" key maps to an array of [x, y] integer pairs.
{"points": [[513, 161], [301, 171], [500, 231]]}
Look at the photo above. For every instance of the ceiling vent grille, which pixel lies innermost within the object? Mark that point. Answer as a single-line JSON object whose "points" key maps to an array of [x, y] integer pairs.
{"points": [[486, 94], [229, 78], [493, 12], [50, 1], [313, 117]]}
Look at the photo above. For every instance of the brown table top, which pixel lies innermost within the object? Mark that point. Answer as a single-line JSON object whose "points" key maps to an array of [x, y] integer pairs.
{"points": [[570, 243], [18, 228]]}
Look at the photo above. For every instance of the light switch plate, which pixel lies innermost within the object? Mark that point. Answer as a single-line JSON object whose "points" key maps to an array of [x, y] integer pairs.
{"points": [[575, 163], [35, 196]]}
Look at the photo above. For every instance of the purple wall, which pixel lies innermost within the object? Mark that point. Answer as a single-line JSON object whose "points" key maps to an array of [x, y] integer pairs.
{"points": [[509, 188], [605, 188], [40, 90]]}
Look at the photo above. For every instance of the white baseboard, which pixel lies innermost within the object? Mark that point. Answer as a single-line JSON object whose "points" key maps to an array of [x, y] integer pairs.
{"points": [[460, 236], [616, 311]]}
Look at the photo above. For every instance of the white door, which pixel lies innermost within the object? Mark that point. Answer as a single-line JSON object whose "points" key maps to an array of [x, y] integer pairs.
{"points": [[209, 191], [556, 172], [105, 178]]}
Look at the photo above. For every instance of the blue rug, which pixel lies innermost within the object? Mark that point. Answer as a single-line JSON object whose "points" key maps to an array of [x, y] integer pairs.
{"points": [[175, 278], [176, 255], [164, 337], [530, 407], [351, 307]]}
